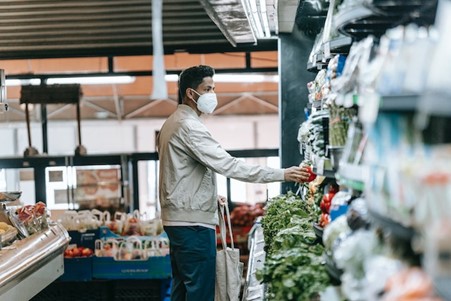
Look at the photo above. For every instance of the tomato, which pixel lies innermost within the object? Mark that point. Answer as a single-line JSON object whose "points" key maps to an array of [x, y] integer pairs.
{"points": [[325, 206], [324, 220], [327, 198], [312, 175], [333, 189]]}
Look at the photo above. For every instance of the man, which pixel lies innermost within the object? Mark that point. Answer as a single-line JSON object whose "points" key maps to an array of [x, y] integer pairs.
{"points": [[189, 160]]}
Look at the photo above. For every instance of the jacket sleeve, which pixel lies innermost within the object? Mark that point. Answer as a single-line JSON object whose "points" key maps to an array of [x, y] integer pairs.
{"points": [[205, 149]]}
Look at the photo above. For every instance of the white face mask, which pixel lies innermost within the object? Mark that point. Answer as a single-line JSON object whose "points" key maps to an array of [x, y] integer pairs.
{"points": [[207, 102]]}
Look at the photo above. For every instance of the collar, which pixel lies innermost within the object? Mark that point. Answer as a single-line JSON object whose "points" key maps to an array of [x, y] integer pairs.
{"points": [[188, 110]]}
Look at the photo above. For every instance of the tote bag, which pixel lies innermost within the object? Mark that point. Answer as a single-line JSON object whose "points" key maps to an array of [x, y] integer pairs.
{"points": [[229, 269]]}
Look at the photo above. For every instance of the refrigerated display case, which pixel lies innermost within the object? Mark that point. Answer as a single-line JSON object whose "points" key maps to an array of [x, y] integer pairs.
{"points": [[28, 265]]}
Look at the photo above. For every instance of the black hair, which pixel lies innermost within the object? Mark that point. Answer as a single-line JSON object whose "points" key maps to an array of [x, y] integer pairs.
{"points": [[192, 78]]}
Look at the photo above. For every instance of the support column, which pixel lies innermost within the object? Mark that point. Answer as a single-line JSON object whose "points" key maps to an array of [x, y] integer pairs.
{"points": [[294, 50]]}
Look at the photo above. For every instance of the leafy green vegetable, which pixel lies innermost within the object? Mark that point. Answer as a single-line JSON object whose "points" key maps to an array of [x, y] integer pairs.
{"points": [[294, 267]]}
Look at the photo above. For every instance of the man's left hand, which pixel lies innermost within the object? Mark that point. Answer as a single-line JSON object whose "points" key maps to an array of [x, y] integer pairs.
{"points": [[222, 200]]}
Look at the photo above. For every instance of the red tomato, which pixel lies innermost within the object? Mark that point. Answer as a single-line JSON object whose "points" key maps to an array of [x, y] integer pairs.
{"points": [[312, 175]]}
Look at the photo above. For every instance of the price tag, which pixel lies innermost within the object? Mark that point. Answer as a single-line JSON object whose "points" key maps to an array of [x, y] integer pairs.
{"points": [[320, 167]]}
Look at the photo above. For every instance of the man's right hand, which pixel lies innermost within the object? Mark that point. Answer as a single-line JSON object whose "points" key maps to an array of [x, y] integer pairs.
{"points": [[296, 174]]}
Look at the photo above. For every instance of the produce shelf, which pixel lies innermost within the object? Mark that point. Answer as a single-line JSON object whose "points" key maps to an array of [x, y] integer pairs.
{"points": [[318, 232], [253, 289], [328, 173], [361, 20], [352, 176], [435, 103], [324, 164], [393, 227], [338, 45], [353, 172], [399, 103], [334, 272], [350, 15]]}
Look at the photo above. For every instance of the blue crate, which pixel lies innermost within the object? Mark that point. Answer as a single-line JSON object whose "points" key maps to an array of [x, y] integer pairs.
{"points": [[152, 268], [84, 239], [77, 269], [104, 233]]}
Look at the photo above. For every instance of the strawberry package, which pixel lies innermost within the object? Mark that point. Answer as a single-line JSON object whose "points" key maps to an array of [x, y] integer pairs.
{"points": [[34, 217]]}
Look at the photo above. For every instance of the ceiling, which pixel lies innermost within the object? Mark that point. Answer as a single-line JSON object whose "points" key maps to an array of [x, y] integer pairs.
{"points": [[71, 28], [47, 38]]}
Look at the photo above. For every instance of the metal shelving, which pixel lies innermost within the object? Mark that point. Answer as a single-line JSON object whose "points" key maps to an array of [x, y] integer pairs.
{"points": [[362, 20], [399, 103], [253, 289]]}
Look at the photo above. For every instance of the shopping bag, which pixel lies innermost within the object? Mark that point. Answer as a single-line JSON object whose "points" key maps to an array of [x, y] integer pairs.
{"points": [[229, 269]]}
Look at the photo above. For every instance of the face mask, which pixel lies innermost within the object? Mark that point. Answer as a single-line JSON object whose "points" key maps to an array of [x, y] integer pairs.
{"points": [[206, 103]]}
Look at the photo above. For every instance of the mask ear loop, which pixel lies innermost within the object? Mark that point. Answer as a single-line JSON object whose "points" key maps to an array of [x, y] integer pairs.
{"points": [[195, 101]]}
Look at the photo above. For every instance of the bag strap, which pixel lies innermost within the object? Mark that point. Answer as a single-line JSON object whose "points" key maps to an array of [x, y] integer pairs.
{"points": [[222, 227]]}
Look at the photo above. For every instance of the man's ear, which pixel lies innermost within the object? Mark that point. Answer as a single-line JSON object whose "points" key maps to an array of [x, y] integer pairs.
{"points": [[189, 93]]}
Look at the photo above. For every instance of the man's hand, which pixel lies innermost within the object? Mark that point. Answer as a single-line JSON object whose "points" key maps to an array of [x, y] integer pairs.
{"points": [[222, 200], [296, 174]]}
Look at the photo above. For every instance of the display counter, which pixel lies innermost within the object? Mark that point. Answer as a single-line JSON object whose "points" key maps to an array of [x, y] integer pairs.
{"points": [[29, 265]]}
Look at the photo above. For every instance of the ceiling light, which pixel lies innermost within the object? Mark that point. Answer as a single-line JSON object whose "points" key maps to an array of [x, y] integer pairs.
{"points": [[92, 80], [264, 17], [258, 17], [235, 78], [23, 82], [245, 78], [171, 77]]}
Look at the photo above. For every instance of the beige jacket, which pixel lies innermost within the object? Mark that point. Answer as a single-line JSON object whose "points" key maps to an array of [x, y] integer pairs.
{"points": [[189, 158]]}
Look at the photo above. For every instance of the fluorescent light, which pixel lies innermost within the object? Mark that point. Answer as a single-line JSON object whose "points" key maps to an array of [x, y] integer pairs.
{"points": [[264, 16], [235, 78], [245, 78], [250, 18], [23, 82], [255, 16], [258, 18], [171, 77], [92, 80]]}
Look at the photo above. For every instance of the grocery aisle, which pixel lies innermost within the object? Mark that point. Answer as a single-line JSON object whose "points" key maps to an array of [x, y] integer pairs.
{"points": [[372, 223]]}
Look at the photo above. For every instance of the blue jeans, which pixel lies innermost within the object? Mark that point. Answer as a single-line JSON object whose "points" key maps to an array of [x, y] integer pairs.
{"points": [[193, 262]]}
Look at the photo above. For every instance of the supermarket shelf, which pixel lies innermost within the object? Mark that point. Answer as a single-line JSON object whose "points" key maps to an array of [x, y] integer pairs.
{"points": [[336, 46], [350, 15], [339, 45], [399, 103], [395, 228], [434, 103], [418, 10], [375, 18], [325, 164], [318, 232], [253, 289], [328, 173], [352, 176], [352, 172], [334, 272]]}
